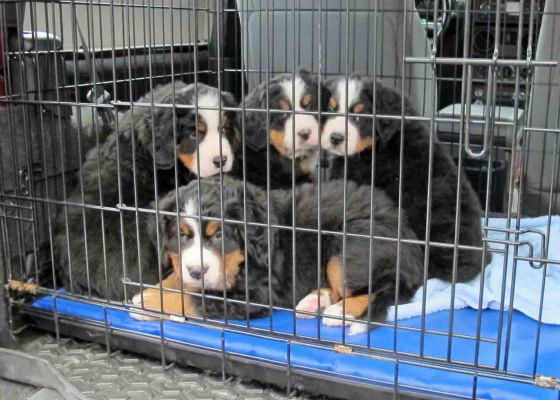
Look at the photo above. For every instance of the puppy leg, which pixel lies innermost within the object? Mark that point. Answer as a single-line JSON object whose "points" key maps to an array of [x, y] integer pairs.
{"points": [[358, 307], [314, 302], [351, 307], [173, 303], [317, 301]]}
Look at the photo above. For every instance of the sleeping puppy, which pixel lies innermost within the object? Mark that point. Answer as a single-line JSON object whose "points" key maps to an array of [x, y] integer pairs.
{"points": [[292, 135], [96, 248], [360, 136], [217, 258]]}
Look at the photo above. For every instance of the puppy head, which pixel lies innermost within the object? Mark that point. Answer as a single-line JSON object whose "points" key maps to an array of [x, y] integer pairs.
{"points": [[205, 140], [292, 134], [193, 242], [355, 96]]}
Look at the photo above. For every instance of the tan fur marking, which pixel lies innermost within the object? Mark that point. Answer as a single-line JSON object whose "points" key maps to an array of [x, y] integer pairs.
{"points": [[173, 303], [231, 262], [335, 278], [333, 103], [184, 228], [364, 144], [355, 306], [173, 281], [284, 105], [277, 140], [187, 160], [211, 228], [306, 100], [174, 258], [358, 108], [201, 127]]}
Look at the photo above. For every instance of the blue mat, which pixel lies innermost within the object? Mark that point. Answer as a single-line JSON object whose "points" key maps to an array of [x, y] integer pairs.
{"points": [[521, 357]]}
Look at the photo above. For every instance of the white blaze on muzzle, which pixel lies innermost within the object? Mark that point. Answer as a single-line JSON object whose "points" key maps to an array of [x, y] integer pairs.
{"points": [[301, 130], [207, 160], [197, 265], [302, 133], [337, 130]]}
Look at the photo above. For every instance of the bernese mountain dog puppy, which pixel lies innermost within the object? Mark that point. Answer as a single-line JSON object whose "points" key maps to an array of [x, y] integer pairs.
{"points": [[285, 123], [93, 263], [359, 138], [218, 255]]}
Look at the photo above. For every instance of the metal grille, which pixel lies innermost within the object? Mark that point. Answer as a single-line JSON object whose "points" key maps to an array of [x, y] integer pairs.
{"points": [[481, 75]]}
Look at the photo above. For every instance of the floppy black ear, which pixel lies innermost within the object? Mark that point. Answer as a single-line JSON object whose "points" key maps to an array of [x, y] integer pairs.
{"points": [[232, 120], [166, 203], [164, 155], [256, 137], [162, 125], [387, 102], [326, 93], [256, 241]]}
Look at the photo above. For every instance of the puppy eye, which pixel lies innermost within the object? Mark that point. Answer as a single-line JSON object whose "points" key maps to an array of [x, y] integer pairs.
{"points": [[218, 235], [185, 235]]}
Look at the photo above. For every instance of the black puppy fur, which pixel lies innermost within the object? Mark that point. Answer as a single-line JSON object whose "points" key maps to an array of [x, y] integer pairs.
{"points": [[258, 133], [286, 289], [385, 139], [91, 263]]}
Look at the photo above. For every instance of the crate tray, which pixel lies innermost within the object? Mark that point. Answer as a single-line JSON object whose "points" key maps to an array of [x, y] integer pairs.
{"points": [[380, 372]]}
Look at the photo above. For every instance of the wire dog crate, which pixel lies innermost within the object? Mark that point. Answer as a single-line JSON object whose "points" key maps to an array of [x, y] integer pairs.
{"points": [[482, 74]]}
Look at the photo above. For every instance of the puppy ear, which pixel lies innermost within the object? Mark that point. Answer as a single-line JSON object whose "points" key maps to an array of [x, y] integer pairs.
{"points": [[232, 120], [168, 204], [388, 102], [256, 241], [163, 156], [256, 137], [164, 142], [326, 93]]}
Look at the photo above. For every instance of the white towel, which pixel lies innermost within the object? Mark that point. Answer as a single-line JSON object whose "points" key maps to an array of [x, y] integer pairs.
{"points": [[528, 283]]}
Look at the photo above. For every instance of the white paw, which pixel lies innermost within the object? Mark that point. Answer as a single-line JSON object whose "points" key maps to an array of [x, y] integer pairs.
{"points": [[357, 328], [137, 301], [335, 310], [313, 303]]}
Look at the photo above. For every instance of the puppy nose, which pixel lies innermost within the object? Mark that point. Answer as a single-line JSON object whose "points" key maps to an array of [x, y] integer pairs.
{"points": [[304, 134], [196, 272], [219, 161], [336, 138]]}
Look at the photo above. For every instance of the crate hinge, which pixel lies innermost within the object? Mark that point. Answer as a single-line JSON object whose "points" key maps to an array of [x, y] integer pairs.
{"points": [[547, 382]]}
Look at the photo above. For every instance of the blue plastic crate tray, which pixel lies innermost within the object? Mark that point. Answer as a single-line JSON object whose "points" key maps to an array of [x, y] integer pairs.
{"points": [[521, 353]]}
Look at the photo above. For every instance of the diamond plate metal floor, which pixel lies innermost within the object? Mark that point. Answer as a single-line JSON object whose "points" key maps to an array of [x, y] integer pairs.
{"points": [[127, 376]]}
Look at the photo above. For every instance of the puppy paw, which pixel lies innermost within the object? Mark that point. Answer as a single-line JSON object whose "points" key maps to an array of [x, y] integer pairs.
{"points": [[313, 303], [335, 310], [357, 328], [137, 301]]}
